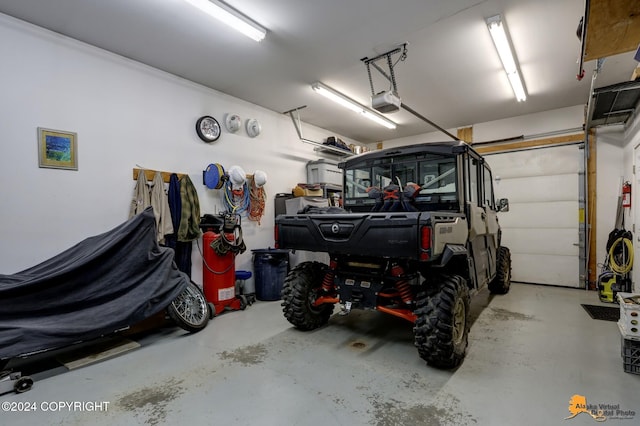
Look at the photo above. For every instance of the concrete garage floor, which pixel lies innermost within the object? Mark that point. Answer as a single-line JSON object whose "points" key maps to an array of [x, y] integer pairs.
{"points": [[529, 352]]}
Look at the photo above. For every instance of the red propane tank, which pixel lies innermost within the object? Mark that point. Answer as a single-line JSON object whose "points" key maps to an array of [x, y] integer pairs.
{"points": [[218, 274]]}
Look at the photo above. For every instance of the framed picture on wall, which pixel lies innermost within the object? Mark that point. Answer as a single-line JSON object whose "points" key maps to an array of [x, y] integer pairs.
{"points": [[57, 149]]}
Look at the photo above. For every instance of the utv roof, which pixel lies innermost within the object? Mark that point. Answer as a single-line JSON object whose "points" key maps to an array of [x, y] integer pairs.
{"points": [[448, 147]]}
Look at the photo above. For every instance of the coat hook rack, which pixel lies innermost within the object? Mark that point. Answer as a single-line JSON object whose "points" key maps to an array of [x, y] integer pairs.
{"points": [[149, 174]]}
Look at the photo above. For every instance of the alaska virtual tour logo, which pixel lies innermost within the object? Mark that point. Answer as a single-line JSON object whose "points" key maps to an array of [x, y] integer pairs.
{"points": [[599, 412]]}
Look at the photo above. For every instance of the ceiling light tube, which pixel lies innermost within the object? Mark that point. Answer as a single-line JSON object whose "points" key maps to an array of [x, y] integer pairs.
{"points": [[231, 17], [354, 106], [508, 58]]}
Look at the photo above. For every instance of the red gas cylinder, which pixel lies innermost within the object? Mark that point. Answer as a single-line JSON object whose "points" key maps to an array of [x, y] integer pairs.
{"points": [[219, 275]]}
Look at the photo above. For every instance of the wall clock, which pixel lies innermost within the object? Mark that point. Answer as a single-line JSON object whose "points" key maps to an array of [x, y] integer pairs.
{"points": [[208, 128]]}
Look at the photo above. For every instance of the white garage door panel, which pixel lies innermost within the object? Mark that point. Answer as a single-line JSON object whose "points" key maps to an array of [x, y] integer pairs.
{"points": [[540, 188], [545, 269], [542, 225], [558, 214], [557, 242], [558, 160]]}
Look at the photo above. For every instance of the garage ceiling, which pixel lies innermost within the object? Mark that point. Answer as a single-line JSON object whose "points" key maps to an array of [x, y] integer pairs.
{"points": [[452, 74]]}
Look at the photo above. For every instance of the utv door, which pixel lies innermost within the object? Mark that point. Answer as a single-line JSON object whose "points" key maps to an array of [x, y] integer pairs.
{"points": [[483, 222], [493, 228]]}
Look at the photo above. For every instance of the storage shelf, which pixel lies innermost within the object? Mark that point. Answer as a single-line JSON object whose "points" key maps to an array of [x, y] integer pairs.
{"points": [[331, 187], [328, 148]]}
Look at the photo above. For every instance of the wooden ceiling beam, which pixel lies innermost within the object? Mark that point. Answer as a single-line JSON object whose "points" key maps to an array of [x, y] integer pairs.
{"points": [[534, 143]]}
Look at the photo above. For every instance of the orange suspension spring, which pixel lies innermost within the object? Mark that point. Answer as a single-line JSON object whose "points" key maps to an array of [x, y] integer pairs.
{"points": [[402, 285], [327, 282], [405, 291]]}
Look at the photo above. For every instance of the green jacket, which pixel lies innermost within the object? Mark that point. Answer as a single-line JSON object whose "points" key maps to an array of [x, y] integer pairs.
{"points": [[190, 220]]}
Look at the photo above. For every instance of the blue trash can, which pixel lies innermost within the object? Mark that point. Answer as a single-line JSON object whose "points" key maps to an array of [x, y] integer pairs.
{"points": [[270, 268]]}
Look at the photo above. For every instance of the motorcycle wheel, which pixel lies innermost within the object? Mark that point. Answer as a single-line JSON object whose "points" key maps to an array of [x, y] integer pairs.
{"points": [[190, 310]]}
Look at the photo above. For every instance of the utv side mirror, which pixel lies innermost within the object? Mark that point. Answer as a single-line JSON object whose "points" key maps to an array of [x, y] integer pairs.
{"points": [[503, 205]]}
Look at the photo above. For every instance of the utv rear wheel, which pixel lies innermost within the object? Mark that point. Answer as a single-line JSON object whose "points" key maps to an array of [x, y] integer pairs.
{"points": [[442, 329], [300, 291], [502, 282]]}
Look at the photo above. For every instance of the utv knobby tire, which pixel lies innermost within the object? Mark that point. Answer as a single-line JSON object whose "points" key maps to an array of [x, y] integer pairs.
{"points": [[502, 281], [441, 330], [190, 310], [300, 290]]}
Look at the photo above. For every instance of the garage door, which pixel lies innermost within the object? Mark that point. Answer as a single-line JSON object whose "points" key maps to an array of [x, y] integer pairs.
{"points": [[542, 226]]}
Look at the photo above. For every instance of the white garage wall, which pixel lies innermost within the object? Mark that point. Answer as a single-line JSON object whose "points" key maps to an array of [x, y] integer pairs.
{"points": [[632, 139], [124, 114], [557, 120], [609, 158]]}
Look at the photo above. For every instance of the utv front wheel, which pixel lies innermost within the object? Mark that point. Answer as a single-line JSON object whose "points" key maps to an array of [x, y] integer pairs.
{"points": [[502, 282], [299, 292], [442, 329]]}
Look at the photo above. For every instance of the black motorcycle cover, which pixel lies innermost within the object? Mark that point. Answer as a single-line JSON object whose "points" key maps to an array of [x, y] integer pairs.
{"points": [[102, 284]]}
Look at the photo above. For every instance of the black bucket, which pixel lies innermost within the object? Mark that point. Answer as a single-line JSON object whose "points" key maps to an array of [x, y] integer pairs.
{"points": [[270, 268]]}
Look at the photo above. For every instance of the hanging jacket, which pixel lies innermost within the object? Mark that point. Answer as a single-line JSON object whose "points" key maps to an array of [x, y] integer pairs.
{"points": [[182, 249], [175, 203], [189, 228], [160, 204], [141, 199]]}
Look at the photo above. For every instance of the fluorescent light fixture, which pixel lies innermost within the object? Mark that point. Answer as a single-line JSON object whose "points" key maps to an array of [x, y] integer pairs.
{"points": [[231, 17], [508, 58], [349, 103]]}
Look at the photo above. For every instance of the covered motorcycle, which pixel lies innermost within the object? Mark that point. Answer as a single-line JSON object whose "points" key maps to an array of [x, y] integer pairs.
{"points": [[101, 285]]}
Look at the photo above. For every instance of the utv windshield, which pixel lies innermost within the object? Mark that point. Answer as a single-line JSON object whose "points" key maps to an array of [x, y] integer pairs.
{"points": [[435, 176]]}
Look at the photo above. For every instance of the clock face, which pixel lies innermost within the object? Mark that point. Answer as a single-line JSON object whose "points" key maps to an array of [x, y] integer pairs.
{"points": [[208, 128]]}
